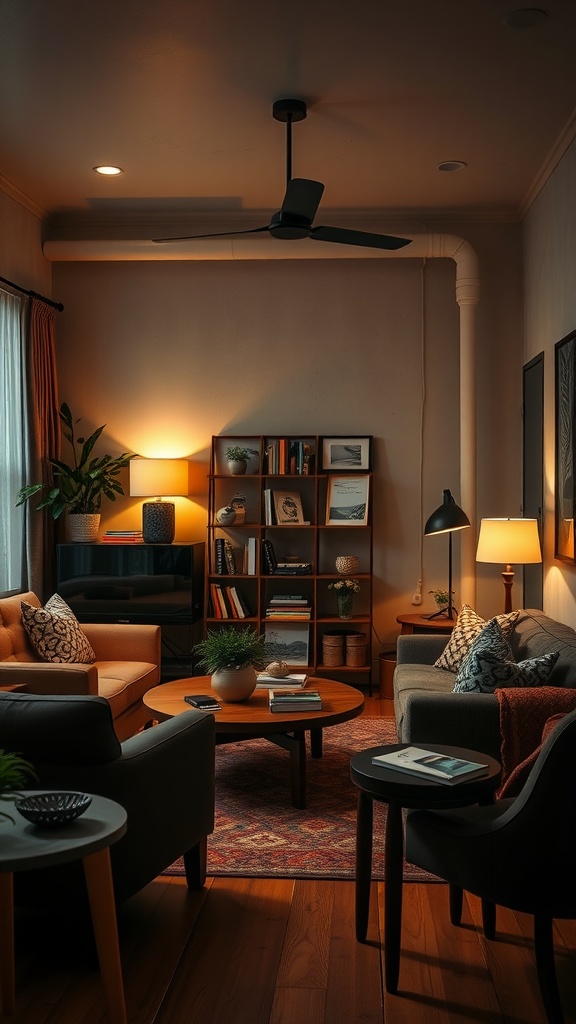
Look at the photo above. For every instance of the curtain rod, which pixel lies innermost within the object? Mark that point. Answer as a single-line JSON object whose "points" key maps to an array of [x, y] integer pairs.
{"points": [[33, 295]]}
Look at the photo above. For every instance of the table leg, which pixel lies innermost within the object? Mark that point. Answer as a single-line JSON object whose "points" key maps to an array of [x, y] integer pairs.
{"points": [[316, 742], [364, 819], [298, 770], [393, 864], [102, 907], [7, 994]]}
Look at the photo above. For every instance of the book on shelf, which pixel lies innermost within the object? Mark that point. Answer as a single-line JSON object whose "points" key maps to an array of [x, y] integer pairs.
{"points": [[249, 561], [228, 602], [283, 701], [229, 558], [122, 540], [288, 508], [268, 557], [281, 599], [123, 533], [293, 681], [293, 569], [431, 765], [219, 557], [289, 457], [301, 612]]}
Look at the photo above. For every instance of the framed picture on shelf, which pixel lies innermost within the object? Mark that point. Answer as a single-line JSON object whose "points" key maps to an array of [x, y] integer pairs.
{"points": [[346, 454], [288, 641], [347, 501], [564, 494], [288, 508]]}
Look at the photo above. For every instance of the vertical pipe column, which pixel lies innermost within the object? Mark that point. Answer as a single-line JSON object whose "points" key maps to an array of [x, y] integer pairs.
{"points": [[467, 297]]}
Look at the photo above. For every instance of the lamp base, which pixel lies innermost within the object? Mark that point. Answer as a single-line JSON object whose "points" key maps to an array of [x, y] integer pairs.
{"points": [[158, 522]]}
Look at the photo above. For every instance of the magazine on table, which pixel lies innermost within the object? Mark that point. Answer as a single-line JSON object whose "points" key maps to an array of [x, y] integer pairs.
{"points": [[431, 765], [292, 682]]}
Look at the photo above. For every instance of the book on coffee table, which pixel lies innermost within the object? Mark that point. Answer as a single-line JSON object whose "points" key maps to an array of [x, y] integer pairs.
{"points": [[294, 700], [296, 680], [431, 765]]}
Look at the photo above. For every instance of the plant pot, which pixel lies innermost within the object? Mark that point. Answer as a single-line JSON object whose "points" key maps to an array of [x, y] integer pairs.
{"points": [[83, 527], [234, 685], [236, 467], [345, 602]]}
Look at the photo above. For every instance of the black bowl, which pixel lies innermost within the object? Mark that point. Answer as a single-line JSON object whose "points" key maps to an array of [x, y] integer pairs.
{"points": [[53, 808]]}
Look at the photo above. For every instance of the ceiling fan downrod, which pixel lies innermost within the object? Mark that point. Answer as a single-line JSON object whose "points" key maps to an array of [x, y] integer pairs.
{"points": [[289, 111]]}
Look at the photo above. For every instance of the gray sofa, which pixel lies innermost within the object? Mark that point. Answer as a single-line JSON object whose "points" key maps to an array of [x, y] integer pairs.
{"points": [[427, 710]]}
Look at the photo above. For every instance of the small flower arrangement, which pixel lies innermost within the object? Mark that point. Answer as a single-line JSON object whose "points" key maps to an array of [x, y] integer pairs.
{"points": [[440, 596], [352, 585]]}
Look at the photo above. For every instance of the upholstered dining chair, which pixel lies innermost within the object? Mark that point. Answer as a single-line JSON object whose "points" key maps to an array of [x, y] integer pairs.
{"points": [[517, 853]]}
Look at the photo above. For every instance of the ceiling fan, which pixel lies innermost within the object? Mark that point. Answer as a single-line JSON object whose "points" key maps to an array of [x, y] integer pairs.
{"points": [[301, 201]]}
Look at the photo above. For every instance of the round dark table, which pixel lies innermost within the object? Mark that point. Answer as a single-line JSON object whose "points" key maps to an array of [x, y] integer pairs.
{"points": [[399, 789]]}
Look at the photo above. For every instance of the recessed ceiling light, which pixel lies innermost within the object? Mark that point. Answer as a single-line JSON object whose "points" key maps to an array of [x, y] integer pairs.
{"points": [[451, 165], [524, 17], [108, 169]]}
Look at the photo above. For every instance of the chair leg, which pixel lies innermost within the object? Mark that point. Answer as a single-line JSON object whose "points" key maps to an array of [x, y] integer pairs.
{"points": [[455, 896], [489, 919], [195, 864], [544, 949]]}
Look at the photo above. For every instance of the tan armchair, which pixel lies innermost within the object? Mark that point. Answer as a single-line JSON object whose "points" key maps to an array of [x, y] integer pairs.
{"points": [[127, 664]]}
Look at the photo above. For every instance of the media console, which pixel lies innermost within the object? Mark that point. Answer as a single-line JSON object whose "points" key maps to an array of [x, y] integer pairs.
{"points": [[160, 584]]}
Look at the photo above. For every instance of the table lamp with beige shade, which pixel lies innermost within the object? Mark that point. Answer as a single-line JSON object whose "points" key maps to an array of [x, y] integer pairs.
{"points": [[158, 478], [509, 541]]}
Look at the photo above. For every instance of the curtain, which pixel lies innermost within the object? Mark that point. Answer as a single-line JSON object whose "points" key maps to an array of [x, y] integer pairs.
{"points": [[12, 439], [43, 443]]}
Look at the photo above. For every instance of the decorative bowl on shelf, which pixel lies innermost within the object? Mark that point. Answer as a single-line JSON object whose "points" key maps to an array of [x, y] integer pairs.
{"points": [[53, 808]]}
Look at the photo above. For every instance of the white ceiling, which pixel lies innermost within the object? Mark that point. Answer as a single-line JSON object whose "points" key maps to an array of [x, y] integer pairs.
{"points": [[179, 94]]}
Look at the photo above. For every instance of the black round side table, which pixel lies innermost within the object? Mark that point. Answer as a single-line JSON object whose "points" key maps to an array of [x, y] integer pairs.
{"points": [[398, 790]]}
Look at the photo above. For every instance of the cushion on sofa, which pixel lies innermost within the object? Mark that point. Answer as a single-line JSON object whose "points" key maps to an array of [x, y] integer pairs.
{"points": [[55, 633], [468, 626], [483, 671]]}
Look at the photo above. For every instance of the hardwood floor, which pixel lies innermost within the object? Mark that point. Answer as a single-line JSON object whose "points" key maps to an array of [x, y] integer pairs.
{"points": [[261, 951]]}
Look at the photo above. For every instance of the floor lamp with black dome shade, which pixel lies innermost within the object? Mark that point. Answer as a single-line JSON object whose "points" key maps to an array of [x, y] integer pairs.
{"points": [[447, 518]]}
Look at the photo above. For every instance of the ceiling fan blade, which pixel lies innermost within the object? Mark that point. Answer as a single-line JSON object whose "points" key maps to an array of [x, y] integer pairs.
{"points": [[351, 237], [217, 234], [302, 198]]}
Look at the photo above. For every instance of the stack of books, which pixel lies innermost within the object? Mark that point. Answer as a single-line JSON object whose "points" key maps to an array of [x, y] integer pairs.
{"points": [[123, 537], [283, 701], [286, 606], [228, 602]]}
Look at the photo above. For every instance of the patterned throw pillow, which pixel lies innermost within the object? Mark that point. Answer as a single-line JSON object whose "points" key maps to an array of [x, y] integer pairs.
{"points": [[468, 625], [55, 633], [490, 641], [483, 672]]}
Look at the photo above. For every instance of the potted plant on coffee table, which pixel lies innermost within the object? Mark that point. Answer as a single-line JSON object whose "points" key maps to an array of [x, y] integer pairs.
{"points": [[232, 655], [78, 489]]}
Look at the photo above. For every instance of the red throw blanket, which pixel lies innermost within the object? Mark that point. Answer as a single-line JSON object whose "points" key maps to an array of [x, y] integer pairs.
{"points": [[524, 714]]}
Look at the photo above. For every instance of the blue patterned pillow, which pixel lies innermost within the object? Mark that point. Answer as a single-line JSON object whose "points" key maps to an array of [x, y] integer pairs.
{"points": [[490, 644], [484, 672], [468, 627]]}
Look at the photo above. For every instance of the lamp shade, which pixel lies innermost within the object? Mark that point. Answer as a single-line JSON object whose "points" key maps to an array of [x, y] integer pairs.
{"points": [[447, 517], [158, 477], [514, 541]]}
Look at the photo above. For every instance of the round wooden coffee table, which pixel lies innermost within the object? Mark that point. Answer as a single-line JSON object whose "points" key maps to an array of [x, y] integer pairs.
{"points": [[252, 719]]}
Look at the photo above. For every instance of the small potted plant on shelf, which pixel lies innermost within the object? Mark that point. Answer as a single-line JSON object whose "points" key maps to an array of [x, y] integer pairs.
{"points": [[78, 489], [15, 772], [237, 456], [231, 656]]}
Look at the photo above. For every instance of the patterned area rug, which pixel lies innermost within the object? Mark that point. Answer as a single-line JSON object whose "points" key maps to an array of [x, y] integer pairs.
{"points": [[259, 834]]}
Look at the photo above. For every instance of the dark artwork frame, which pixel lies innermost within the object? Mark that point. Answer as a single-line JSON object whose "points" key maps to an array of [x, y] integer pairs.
{"points": [[565, 451], [346, 454]]}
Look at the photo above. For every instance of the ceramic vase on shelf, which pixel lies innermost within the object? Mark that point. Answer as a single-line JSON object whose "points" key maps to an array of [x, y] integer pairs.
{"points": [[237, 467], [346, 564], [345, 600], [234, 684]]}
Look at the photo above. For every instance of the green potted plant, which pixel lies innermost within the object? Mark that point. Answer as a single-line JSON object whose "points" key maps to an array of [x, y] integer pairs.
{"points": [[78, 489], [232, 655], [237, 456], [440, 597], [15, 771]]}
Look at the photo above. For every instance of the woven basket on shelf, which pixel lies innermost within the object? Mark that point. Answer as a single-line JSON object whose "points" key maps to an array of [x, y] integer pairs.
{"points": [[356, 646], [346, 564], [333, 649]]}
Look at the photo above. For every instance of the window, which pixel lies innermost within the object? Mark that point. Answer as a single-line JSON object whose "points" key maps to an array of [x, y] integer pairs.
{"points": [[12, 434]]}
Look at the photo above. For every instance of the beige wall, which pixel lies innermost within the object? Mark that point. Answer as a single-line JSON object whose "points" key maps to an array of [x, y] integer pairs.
{"points": [[21, 259], [550, 314], [169, 353]]}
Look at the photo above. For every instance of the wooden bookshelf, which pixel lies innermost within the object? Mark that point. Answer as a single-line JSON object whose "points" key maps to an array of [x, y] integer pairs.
{"points": [[240, 575]]}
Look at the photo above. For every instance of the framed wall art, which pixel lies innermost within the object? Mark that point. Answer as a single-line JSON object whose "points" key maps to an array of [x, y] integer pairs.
{"points": [[565, 470], [346, 454], [347, 501]]}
